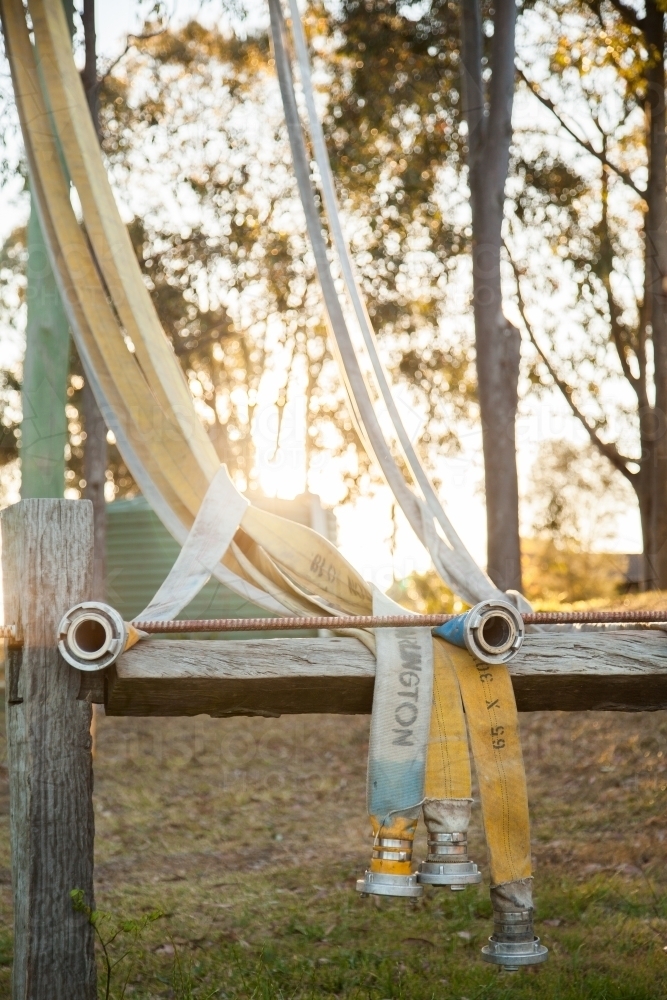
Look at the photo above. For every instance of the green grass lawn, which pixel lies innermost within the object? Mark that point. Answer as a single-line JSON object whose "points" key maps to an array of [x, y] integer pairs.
{"points": [[248, 836]]}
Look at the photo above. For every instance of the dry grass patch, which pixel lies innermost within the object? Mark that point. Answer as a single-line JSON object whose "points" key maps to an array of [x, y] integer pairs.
{"points": [[249, 834]]}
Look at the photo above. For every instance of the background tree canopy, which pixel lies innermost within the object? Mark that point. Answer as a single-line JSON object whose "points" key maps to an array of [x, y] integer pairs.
{"points": [[193, 135]]}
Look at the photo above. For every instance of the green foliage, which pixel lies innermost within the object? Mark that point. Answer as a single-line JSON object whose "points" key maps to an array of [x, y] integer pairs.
{"points": [[577, 218], [13, 258], [394, 123], [574, 495], [426, 594], [184, 977], [235, 287], [554, 575], [123, 934]]}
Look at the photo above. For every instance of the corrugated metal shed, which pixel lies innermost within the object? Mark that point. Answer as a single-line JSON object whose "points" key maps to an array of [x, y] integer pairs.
{"points": [[140, 553]]}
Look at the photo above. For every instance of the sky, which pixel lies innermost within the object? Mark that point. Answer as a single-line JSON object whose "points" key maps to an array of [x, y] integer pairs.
{"points": [[365, 527]]}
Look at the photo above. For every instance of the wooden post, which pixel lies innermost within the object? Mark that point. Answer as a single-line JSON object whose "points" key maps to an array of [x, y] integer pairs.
{"points": [[47, 549]]}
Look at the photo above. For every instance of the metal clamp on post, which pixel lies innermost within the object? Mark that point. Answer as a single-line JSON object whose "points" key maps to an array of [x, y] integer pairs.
{"points": [[492, 631], [447, 862], [91, 636]]}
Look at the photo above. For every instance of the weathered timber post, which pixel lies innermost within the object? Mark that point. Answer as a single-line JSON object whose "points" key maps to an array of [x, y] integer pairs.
{"points": [[47, 551]]}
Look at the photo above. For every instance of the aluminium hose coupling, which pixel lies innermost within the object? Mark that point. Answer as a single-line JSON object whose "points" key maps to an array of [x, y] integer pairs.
{"points": [[513, 943], [447, 862], [91, 636], [380, 880], [492, 632]]}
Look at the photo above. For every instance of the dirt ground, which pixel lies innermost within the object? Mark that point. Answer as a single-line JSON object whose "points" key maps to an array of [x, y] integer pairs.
{"points": [[248, 834]]}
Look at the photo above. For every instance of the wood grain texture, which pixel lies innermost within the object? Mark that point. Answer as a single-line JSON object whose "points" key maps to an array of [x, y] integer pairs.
{"points": [[47, 550], [571, 671]]}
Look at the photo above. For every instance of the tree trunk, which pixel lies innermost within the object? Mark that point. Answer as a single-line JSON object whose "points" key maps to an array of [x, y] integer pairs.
{"points": [[497, 341], [644, 487], [656, 266], [95, 448]]}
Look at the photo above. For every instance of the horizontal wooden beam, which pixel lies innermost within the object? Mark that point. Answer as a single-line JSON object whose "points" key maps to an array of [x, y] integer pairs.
{"points": [[568, 671]]}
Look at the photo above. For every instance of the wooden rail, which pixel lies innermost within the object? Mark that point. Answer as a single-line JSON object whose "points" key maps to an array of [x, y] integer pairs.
{"points": [[570, 671]]}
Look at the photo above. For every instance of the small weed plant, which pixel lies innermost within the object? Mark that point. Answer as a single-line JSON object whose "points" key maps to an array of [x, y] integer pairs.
{"points": [[119, 942]]}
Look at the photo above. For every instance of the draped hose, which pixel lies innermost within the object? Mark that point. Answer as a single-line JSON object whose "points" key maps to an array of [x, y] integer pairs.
{"points": [[284, 567], [493, 728], [397, 752], [447, 792]]}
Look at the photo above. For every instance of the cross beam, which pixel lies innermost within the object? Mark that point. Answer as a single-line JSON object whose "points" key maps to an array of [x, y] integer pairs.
{"points": [[622, 671]]}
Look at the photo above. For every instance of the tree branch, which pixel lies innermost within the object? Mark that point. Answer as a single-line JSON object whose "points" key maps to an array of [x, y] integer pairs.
{"points": [[131, 40], [610, 451], [617, 334], [606, 260], [584, 143], [501, 91], [89, 72], [629, 15]]}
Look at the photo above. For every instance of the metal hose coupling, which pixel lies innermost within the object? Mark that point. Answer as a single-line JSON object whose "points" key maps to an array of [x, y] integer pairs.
{"points": [[447, 861], [492, 631], [91, 636], [385, 877], [513, 943]]}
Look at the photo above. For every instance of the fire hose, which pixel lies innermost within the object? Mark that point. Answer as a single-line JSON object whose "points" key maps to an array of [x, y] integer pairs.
{"points": [[144, 399]]}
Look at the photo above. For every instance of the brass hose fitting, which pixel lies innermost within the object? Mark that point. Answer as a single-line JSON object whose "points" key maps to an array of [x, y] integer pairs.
{"points": [[389, 873]]}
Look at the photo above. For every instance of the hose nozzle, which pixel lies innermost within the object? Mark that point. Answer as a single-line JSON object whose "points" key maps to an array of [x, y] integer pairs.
{"points": [[513, 943]]}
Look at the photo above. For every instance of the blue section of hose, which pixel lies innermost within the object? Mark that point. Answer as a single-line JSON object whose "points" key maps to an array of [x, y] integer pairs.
{"points": [[452, 631], [395, 787]]}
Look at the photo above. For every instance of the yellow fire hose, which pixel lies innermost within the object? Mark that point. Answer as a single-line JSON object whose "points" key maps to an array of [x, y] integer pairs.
{"points": [[145, 400]]}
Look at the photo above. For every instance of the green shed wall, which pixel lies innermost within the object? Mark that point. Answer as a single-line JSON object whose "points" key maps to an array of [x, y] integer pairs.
{"points": [[140, 553]]}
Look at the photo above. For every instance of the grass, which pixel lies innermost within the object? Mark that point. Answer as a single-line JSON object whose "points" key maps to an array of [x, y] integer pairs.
{"points": [[248, 835]]}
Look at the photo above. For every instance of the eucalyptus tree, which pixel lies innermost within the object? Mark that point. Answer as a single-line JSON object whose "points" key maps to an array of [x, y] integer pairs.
{"points": [[95, 452], [218, 231], [419, 92], [228, 263], [588, 235], [487, 106]]}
